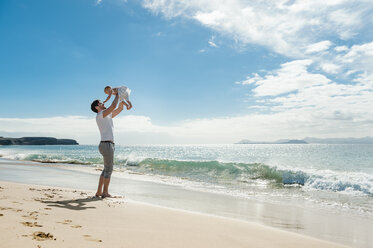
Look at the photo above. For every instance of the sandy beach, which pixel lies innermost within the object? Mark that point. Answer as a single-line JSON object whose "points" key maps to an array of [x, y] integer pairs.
{"points": [[57, 217], [171, 124]]}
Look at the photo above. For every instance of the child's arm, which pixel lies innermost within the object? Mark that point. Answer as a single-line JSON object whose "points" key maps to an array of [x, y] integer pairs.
{"points": [[107, 98]]}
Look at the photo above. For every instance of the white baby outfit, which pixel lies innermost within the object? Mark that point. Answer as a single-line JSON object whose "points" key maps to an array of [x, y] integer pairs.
{"points": [[123, 93]]}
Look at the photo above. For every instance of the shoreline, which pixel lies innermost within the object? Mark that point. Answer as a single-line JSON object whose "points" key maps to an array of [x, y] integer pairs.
{"points": [[60, 217], [307, 222]]}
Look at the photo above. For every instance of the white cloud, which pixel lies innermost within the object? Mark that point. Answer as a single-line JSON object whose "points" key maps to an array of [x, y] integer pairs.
{"points": [[292, 76], [251, 80], [342, 18], [292, 123], [301, 99], [341, 48], [318, 47], [330, 68], [286, 27], [360, 55], [212, 42], [313, 106], [317, 101], [348, 61], [82, 128], [297, 29]]}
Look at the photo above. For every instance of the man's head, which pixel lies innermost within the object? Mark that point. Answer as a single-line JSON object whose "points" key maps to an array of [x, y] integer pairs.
{"points": [[107, 90], [97, 106]]}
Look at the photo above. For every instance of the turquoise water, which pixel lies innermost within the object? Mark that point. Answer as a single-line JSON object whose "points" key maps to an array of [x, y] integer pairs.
{"points": [[337, 177]]}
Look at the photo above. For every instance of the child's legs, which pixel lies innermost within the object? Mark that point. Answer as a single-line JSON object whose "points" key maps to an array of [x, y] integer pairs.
{"points": [[128, 104], [126, 100]]}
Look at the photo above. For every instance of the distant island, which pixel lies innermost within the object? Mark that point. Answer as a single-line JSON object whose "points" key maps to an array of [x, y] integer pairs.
{"points": [[310, 140], [245, 141], [37, 141]]}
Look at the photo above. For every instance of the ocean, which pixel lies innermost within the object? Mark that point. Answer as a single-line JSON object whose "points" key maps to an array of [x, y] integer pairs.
{"points": [[337, 178]]}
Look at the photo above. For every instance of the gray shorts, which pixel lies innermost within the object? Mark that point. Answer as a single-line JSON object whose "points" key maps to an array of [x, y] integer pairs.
{"points": [[107, 151]]}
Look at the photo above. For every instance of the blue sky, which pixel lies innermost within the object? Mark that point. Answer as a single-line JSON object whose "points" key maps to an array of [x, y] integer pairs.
{"points": [[61, 54], [200, 71]]}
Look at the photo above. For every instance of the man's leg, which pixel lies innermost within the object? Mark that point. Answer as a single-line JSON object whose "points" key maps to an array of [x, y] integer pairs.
{"points": [[101, 149], [105, 193], [107, 151], [100, 184]]}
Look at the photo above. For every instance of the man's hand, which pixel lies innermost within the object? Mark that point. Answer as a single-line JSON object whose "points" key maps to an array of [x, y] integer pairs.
{"points": [[118, 110]]}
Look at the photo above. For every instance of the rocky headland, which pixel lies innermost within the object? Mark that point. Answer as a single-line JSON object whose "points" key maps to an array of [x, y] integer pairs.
{"points": [[37, 141]]}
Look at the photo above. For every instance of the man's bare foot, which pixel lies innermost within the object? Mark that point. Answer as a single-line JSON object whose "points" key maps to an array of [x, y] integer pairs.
{"points": [[98, 194], [106, 195], [129, 107]]}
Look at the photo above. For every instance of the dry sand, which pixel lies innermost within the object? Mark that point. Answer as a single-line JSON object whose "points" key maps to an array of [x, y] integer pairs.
{"points": [[40, 216]]}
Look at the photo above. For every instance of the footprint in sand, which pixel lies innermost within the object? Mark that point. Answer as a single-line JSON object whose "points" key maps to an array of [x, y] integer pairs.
{"points": [[1, 215], [32, 215], [30, 224], [29, 217], [11, 209], [68, 222], [65, 222], [89, 238], [32, 189], [49, 196], [41, 236]]}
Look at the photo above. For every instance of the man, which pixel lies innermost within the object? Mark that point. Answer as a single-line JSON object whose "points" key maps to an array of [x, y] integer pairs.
{"points": [[106, 147]]}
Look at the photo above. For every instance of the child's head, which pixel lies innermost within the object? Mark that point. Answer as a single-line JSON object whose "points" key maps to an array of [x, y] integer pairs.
{"points": [[107, 90]]}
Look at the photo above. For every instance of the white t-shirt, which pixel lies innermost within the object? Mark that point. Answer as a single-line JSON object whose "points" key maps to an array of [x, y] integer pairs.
{"points": [[105, 125]]}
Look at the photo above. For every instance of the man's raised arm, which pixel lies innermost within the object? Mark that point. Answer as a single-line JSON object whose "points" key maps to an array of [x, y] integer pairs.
{"points": [[118, 110], [111, 108]]}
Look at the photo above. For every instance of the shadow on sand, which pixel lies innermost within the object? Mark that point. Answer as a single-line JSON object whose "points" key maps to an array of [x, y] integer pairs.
{"points": [[75, 204]]}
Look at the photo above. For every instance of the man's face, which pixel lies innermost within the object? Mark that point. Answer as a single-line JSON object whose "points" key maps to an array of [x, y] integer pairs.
{"points": [[100, 106]]}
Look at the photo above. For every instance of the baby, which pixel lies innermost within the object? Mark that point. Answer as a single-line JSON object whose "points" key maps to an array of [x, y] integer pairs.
{"points": [[123, 92]]}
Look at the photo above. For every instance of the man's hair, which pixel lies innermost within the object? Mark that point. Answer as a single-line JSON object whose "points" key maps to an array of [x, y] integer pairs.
{"points": [[94, 105], [107, 87]]}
